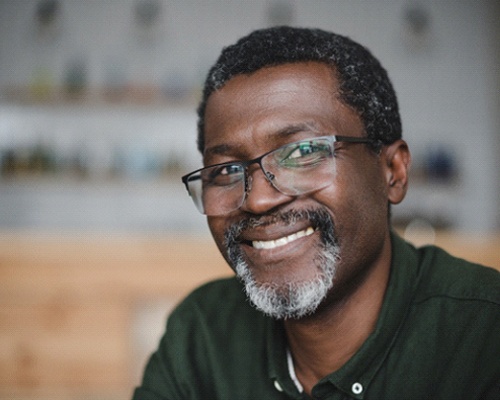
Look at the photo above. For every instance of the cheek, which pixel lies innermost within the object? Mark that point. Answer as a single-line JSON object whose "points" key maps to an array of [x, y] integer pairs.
{"points": [[357, 200], [358, 204], [217, 228]]}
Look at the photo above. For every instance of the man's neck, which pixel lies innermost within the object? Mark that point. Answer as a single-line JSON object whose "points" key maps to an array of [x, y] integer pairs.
{"points": [[323, 343]]}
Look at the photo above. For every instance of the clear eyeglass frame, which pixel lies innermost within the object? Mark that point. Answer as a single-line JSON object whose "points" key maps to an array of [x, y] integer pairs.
{"points": [[293, 169]]}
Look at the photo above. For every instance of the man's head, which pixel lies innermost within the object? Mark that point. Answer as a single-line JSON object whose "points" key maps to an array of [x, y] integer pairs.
{"points": [[363, 82], [295, 189]]}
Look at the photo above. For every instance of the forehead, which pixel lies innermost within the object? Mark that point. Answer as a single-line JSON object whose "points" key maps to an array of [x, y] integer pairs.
{"points": [[265, 106]]}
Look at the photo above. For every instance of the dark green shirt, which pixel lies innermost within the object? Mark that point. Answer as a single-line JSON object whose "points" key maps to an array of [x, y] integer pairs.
{"points": [[437, 337]]}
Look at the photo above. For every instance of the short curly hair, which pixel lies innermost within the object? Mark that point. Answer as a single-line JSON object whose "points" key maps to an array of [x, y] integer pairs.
{"points": [[364, 83]]}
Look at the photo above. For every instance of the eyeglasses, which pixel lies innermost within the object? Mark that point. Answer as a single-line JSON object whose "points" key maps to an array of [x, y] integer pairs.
{"points": [[293, 169]]}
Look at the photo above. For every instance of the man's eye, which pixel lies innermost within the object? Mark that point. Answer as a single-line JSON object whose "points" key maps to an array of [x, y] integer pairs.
{"points": [[230, 169], [302, 150], [226, 174], [305, 154]]}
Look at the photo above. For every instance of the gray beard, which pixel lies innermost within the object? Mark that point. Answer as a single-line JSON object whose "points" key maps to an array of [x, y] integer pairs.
{"points": [[292, 300]]}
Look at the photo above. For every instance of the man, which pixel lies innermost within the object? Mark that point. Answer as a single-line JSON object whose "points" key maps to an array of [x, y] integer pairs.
{"points": [[301, 141]]}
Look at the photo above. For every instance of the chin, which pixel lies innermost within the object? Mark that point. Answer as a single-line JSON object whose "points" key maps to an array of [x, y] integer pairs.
{"points": [[291, 299]]}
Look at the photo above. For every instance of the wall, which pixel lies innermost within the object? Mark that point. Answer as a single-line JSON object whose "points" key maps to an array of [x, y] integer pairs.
{"points": [[446, 79]]}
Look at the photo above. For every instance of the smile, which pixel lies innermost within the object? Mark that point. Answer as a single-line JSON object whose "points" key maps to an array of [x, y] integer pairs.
{"points": [[272, 244]]}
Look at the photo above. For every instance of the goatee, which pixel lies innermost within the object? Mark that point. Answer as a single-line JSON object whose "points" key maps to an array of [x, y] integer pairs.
{"points": [[291, 300]]}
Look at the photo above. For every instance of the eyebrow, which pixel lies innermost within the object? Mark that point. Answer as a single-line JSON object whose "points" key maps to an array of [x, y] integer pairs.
{"points": [[289, 130]]}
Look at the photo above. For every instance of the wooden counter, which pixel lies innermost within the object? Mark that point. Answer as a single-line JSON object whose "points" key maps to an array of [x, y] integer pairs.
{"points": [[79, 314]]}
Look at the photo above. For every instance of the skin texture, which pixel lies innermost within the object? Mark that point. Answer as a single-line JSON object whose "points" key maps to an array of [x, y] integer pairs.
{"points": [[255, 113]]}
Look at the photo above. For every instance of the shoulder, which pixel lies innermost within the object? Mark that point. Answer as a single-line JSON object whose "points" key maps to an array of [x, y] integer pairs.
{"points": [[216, 306], [211, 295], [452, 322], [214, 289], [195, 358], [459, 301], [443, 275]]}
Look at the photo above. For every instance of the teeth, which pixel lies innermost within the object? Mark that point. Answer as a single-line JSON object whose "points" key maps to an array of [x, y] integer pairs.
{"points": [[271, 244]]}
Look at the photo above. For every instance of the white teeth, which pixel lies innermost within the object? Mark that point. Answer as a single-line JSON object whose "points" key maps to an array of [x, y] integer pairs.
{"points": [[271, 244]]}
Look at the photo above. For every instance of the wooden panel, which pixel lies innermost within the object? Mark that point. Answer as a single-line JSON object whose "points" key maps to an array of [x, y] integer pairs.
{"points": [[69, 305], [63, 342], [105, 265]]}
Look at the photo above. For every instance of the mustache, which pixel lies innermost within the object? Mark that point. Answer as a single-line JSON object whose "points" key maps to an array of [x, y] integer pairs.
{"points": [[320, 220]]}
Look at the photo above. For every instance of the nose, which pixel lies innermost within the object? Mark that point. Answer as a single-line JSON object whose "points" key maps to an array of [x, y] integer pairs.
{"points": [[261, 195]]}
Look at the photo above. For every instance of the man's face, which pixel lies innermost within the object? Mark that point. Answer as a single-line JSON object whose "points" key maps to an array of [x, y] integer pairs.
{"points": [[309, 250]]}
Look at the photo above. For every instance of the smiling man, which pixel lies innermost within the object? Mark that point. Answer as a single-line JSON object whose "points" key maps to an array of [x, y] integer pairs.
{"points": [[301, 141]]}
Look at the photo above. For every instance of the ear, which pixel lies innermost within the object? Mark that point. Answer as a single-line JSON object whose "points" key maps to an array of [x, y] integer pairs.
{"points": [[396, 168]]}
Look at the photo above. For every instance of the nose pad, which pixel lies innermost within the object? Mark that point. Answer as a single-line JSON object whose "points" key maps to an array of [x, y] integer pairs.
{"points": [[261, 194], [249, 183], [269, 177]]}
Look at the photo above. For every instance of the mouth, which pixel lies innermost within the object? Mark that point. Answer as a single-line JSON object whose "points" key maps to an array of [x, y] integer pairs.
{"points": [[282, 241], [272, 236]]}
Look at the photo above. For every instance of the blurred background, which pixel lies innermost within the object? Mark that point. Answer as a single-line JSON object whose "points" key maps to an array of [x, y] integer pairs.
{"points": [[98, 239]]}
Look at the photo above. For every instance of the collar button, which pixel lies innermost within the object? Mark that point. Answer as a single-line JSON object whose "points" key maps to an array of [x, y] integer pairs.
{"points": [[357, 388]]}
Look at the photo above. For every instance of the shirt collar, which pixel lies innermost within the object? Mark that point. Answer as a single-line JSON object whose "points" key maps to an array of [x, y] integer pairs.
{"points": [[356, 375]]}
